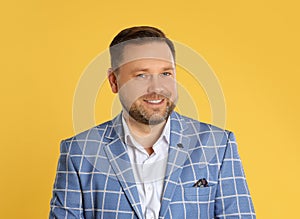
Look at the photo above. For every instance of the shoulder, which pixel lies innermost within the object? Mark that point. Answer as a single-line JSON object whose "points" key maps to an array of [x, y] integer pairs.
{"points": [[90, 137], [93, 133], [198, 126], [201, 132], [212, 140]]}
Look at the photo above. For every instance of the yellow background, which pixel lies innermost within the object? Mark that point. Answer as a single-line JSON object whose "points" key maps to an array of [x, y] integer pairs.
{"points": [[252, 46]]}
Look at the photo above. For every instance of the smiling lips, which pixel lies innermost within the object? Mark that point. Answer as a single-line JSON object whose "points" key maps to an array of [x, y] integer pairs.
{"points": [[155, 102]]}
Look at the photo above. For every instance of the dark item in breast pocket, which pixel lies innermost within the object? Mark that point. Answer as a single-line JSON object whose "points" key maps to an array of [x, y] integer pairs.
{"points": [[201, 183]]}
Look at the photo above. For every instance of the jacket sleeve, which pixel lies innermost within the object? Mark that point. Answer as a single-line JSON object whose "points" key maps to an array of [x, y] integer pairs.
{"points": [[233, 199], [66, 201]]}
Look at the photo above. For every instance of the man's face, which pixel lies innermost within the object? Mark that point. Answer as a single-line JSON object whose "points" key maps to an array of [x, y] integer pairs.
{"points": [[146, 82]]}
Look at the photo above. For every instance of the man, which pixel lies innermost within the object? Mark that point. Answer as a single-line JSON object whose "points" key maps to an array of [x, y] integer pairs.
{"points": [[149, 161]]}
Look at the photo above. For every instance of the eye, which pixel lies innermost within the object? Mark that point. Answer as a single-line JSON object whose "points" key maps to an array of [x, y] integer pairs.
{"points": [[165, 74], [141, 76]]}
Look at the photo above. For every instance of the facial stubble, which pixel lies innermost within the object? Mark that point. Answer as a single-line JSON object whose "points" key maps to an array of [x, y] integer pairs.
{"points": [[139, 113]]}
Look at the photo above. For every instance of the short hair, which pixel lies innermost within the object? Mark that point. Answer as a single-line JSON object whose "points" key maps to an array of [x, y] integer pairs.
{"points": [[136, 35]]}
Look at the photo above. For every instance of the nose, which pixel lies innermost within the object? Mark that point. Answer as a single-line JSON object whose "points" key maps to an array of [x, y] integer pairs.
{"points": [[155, 84]]}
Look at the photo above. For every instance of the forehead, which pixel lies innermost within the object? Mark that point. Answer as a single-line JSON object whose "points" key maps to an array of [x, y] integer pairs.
{"points": [[149, 50]]}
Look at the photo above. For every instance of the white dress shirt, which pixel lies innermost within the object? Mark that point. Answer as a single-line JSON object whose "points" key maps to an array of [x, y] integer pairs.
{"points": [[149, 170]]}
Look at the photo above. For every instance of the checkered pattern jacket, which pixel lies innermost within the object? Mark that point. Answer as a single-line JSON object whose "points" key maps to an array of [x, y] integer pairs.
{"points": [[95, 179]]}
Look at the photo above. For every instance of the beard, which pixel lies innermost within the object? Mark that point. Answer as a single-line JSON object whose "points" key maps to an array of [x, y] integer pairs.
{"points": [[151, 115]]}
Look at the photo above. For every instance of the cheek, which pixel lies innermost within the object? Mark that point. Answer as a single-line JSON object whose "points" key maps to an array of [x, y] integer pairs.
{"points": [[170, 83], [171, 86], [173, 93], [131, 91]]}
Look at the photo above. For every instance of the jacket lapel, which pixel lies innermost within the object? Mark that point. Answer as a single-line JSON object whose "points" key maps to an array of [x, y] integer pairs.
{"points": [[116, 152], [178, 152]]}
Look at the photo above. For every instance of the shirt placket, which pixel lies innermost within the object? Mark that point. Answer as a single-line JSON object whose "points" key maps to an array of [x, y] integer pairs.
{"points": [[148, 189]]}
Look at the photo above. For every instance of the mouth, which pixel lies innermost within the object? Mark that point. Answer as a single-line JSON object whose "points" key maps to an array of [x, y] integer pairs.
{"points": [[154, 102]]}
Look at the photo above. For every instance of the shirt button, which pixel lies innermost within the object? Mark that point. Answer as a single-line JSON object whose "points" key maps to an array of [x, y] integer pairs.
{"points": [[149, 187]]}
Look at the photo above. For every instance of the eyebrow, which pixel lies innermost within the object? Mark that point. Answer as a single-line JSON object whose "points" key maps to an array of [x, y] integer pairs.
{"points": [[137, 69]]}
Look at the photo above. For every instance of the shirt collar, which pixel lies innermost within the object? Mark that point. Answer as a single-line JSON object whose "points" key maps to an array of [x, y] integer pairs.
{"points": [[165, 135]]}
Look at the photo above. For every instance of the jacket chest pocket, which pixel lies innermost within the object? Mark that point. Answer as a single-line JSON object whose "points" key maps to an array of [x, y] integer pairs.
{"points": [[200, 201], [204, 193]]}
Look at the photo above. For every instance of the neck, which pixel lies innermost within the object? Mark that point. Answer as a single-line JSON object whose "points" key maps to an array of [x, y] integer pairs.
{"points": [[144, 134]]}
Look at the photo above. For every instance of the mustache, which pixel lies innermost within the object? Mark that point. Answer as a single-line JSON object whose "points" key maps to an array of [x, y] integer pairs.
{"points": [[156, 96]]}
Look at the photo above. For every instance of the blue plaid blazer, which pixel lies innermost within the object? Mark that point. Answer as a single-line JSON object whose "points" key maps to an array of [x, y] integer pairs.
{"points": [[95, 179]]}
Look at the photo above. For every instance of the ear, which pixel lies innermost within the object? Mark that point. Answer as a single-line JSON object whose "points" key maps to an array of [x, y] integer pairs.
{"points": [[112, 80]]}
